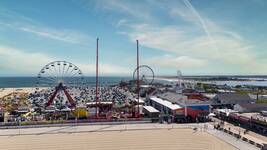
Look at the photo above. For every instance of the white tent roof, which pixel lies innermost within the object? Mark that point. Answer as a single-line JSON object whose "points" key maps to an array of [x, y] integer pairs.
{"points": [[150, 109]]}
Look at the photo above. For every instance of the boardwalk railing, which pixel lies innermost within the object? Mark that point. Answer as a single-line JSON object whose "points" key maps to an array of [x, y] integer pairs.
{"points": [[56, 123]]}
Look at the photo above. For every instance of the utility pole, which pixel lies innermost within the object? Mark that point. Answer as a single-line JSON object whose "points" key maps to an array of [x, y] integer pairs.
{"points": [[96, 84], [138, 82]]}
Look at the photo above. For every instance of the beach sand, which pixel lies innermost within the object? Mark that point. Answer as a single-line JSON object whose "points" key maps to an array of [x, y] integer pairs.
{"points": [[7, 91], [162, 139]]}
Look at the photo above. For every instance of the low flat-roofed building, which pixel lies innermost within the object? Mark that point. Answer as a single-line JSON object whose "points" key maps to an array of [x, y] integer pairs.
{"points": [[198, 96], [225, 112], [192, 107], [181, 99], [23, 110], [248, 115], [247, 108], [164, 106], [151, 112], [228, 100], [259, 117], [254, 120]]}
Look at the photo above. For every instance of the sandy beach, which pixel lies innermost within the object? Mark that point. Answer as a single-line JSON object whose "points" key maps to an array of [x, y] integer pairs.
{"points": [[7, 91], [112, 138]]}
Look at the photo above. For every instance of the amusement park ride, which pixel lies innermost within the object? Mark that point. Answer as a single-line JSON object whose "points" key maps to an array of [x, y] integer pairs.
{"points": [[62, 76], [146, 75], [59, 88]]}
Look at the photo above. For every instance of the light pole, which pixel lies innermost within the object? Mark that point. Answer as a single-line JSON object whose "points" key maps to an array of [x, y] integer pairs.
{"points": [[138, 82], [96, 84]]}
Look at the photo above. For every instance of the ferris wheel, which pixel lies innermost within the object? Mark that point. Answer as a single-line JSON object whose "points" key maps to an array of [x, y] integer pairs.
{"points": [[58, 72], [146, 75], [62, 76]]}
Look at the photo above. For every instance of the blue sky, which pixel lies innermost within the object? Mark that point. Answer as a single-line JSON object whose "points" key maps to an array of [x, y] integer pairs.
{"points": [[197, 37]]}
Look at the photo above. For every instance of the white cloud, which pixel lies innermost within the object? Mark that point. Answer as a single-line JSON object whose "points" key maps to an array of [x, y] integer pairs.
{"points": [[130, 8], [178, 40], [65, 35], [19, 22], [21, 62], [196, 41], [104, 69], [121, 23], [183, 13], [173, 62]]}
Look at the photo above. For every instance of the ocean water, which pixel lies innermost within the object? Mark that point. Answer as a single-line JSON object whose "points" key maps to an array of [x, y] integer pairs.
{"points": [[16, 82], [235, 83], [262, 82]]}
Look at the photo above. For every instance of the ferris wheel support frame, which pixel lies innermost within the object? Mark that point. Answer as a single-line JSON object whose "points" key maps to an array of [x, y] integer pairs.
{"points": [[60, 87]]}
